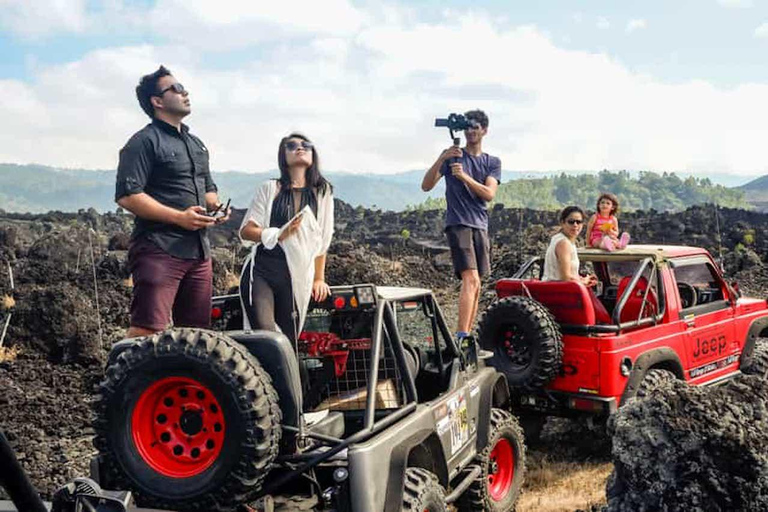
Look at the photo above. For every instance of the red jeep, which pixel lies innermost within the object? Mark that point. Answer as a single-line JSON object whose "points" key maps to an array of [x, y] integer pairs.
{"points": [[658, 312]]}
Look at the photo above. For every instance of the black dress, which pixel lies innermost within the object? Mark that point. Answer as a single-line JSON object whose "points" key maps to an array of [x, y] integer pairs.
{"points": [[272, 301]]}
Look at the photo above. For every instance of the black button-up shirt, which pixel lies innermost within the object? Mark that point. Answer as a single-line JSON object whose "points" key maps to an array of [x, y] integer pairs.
{"points": [[172, 167]]}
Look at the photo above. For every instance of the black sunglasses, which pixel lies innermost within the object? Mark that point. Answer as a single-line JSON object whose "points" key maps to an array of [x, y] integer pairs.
{"points": [[574, 222], [292, 145], [177, 88]]}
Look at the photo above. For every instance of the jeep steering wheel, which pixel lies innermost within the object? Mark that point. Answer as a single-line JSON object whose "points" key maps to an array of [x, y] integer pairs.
{"points": [[687, 295]]}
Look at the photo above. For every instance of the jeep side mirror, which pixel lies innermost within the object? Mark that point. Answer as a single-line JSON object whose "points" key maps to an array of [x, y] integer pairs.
{"points": [[735, 288]]}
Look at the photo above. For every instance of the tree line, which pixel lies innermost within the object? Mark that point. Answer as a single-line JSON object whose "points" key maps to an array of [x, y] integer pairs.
{"points": [[645, 191]]}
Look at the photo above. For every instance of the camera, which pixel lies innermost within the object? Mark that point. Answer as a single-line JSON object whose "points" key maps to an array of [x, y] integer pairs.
{"points": [[454, 123]]}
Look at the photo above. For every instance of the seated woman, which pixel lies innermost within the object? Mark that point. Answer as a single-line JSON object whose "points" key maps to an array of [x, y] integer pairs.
{"points": [[286, 267], [561, 262]]}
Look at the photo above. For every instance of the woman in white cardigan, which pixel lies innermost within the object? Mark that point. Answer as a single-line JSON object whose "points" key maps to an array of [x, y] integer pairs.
{"points": [[287, 266]]}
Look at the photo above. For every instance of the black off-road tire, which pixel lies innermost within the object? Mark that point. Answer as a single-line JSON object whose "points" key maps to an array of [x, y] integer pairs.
{"points": [[422, 492], [516, 328], [654, 379], [245, 404], [295, 503], [759, 364], [506, 431]]}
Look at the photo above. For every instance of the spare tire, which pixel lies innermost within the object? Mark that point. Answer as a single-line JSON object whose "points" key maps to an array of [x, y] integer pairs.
{"points": [[188, 420], [525, 340]]}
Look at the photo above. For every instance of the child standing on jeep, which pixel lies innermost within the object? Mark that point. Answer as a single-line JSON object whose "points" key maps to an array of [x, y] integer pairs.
{"points": [[603, 226]]}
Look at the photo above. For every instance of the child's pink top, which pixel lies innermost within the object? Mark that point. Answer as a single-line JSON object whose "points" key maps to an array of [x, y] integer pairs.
{"points": [[602, 227]]}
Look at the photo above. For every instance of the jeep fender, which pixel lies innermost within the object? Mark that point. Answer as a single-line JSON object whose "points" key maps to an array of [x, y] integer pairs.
{"points": [[663, 358], [422, 449], [756, 330], [496, 395]]}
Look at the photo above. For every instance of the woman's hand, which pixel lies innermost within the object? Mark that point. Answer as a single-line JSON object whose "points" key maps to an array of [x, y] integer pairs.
{"points": [[292, 228], [589, 281], [320, 290]]}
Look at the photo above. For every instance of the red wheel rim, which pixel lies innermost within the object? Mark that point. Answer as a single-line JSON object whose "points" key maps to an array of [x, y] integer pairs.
{"points": [[178, 427], [502, 470]]}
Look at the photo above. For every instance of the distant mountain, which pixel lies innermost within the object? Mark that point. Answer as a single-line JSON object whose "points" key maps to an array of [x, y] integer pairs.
{"points": [[756, 190], [38, 188]]}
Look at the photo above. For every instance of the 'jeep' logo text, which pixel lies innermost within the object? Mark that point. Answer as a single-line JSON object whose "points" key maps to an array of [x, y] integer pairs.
{"points": [[709, 346]]}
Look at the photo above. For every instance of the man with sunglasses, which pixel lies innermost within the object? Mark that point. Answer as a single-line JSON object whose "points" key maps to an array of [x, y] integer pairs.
{"points": [[471, 180], [164, 179]]}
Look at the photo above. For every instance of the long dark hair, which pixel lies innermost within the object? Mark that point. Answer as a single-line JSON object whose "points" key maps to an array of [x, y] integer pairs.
{"points": [[313, 176]]}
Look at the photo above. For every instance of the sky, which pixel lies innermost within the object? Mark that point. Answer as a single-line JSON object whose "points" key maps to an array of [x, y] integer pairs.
{"points": [[660, 85]]}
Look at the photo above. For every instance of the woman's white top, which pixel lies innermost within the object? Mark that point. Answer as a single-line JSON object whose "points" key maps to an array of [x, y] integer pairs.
{"points": [[311, 240], [551, 265]]}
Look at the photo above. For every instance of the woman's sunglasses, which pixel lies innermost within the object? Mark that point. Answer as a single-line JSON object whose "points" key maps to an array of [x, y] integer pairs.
{"points": [[292, 145], [574, 222], [177, 88]]}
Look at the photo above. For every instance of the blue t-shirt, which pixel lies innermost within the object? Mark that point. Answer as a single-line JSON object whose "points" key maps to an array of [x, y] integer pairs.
{"points": [[463, 207]]}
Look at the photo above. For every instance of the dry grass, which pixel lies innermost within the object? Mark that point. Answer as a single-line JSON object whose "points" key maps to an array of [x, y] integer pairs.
{"points": [[231, 280], [8, 354], [559, 486], [7, 302], [567, 470]]}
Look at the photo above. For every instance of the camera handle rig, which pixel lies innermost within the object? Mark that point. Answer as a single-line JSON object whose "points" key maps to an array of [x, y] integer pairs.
{"points": [[454, 122]]}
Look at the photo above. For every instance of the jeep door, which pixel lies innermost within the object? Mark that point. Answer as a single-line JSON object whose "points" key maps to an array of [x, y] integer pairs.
{"points": [[711, 348]]}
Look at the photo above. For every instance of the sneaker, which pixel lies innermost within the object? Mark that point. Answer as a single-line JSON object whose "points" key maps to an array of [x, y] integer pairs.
{"points": [[607, 244], [624, 240]]}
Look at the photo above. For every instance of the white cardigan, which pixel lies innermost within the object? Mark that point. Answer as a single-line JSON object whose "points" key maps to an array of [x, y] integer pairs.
{"points": [[311, 240]]}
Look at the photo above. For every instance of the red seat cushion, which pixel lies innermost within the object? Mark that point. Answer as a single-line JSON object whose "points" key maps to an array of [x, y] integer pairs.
{"points": [[568, 301], [631, 309]]}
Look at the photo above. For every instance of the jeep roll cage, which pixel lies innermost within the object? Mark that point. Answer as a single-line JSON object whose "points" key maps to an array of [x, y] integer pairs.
{"points": [[382, 301], [616, 326]]}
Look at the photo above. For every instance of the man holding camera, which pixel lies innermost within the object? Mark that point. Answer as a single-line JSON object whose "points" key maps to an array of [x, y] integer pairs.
{"points": [[163, 178], [471, 180]]}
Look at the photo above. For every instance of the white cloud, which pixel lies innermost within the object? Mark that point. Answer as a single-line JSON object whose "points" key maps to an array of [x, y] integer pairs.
{"points": [[636, 24], [762, 31], [740, 4], [234, 24], [33, 19], [603, 23], [368, 93]]}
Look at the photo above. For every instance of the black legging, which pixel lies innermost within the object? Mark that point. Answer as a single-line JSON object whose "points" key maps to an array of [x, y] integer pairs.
{"points": [[272, 300]]}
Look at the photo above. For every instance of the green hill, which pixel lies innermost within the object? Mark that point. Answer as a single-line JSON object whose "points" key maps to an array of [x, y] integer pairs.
{"points": [[644, 191]]}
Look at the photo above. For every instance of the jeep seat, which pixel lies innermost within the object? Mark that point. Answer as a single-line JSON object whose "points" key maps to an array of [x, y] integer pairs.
{"points": [[278, 357], [631, 309], [569, 302], [275, 354]]}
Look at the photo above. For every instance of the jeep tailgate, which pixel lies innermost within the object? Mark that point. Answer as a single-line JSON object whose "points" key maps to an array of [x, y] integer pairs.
{"points": [[581, 366]]}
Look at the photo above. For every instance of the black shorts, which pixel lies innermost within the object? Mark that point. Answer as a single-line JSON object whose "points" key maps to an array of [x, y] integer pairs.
{"points": [[470, 249]]}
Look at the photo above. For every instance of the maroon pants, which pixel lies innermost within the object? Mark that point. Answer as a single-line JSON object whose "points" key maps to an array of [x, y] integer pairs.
{"points": [[163, 284]]}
